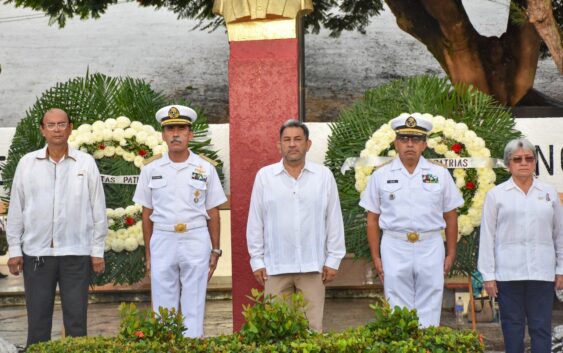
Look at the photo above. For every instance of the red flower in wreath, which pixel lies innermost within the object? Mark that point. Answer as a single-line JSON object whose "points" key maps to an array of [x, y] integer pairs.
{"points": [[456, 147], [470, 185], [129, 221], [142, 153], [101, 146]]}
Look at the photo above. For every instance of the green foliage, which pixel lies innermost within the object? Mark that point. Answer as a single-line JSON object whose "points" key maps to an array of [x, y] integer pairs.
{"points": [[424, 94], [145, 325], [99, 97], [272, 319], [393, 331]]}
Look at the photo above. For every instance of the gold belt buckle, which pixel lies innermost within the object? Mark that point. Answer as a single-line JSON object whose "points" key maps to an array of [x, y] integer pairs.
{"points": [[180, 228], [413, 237]]}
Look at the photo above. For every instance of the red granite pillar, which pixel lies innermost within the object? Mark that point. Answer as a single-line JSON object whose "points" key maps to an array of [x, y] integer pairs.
{"points": [[263, 93]]}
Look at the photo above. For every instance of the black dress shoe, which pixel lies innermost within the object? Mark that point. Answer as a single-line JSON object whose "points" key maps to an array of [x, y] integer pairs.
{"points": [[3, 275]]}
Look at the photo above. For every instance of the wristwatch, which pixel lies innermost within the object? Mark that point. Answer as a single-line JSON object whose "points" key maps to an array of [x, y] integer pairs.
{"points": [[217, 252]]}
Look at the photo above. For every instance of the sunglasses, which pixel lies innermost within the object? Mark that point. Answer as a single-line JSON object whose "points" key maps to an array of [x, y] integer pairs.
{"points": [[519, 159]]}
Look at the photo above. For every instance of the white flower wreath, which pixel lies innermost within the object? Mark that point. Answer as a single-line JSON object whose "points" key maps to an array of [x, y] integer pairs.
{"points": [[134, 142], [447, 138]]}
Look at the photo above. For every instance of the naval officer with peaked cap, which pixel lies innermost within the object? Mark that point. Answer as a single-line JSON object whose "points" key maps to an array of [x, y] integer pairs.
{"points": [[409, 202], [180, 193]]}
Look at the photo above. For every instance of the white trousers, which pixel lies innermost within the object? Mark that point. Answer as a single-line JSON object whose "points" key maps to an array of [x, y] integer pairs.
{"points": [[179, 270], [414, 276]]}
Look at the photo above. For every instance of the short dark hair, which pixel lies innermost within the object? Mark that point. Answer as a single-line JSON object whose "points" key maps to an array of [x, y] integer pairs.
{"points": [[295, 123], [52, 110]]}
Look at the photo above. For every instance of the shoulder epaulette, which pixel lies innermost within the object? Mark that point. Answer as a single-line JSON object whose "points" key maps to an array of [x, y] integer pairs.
{"points": [[211, 161], [152, 159]]}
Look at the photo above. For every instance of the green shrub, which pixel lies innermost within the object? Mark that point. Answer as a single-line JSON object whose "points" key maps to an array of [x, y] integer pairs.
{"points": [[392, 331], [136, 325], [272, 319]]}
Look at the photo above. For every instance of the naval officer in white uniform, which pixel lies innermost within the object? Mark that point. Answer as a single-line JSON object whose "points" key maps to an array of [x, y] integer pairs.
{"points": [[409, 201], [180, 193]]}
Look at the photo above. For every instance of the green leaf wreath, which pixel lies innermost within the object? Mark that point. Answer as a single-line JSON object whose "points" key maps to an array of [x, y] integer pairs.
{"points": [[99, 97], [424, 94]]}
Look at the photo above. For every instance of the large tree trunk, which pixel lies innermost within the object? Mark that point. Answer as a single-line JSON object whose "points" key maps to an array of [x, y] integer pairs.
{"points": [[504, 67], [540, 14]]}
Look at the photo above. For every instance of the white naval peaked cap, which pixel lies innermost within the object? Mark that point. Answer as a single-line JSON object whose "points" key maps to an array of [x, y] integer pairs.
{"points": [[176, 115], [411, 124]]}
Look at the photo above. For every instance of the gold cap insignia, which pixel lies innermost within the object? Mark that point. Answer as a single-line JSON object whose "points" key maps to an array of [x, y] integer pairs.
{"points": [[411, 122], [173, 113]]}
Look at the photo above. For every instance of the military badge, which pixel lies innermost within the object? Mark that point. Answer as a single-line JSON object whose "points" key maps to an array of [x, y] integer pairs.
{"points": [[197, 194], [391, 196], [199, 174], [547, 197], [173, 113], [410, 122], [429, 179]]}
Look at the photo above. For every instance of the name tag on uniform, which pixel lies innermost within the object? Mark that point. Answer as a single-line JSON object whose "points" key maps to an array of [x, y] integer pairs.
{"points": [[392, 181], [156, 177]]}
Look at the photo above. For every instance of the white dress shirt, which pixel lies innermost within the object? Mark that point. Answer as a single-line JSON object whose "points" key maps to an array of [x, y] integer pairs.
{"points": [[179, 192], [521, 234], [411, 202], [57, 209], [295, 225]]}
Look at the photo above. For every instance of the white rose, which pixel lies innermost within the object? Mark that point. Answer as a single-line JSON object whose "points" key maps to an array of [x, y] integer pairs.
{"points": [[459, 173], [461, 127], [110, 123], [107, 134], [139, 161], [118, 134], [141, 137], [130, 244], [98, 154], [441, 149], [109, 151], [451, 154], [121, 233], [128, 156], [459, 182], [84, 149], [129, 132], [149, 129], [119, 212], [157, 149], [123, 122], [110, 213], [130, 210], [111, 222], [135, 125], [469, 135], [98, 126], [73, 144], [84, 128], [151, 142], [392, 153], [119, 151], [117, 245], [123, 142]]}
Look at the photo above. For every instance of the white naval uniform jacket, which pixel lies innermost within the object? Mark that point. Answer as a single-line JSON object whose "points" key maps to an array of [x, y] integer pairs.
{"points": [[179, 192], [411, 202]]}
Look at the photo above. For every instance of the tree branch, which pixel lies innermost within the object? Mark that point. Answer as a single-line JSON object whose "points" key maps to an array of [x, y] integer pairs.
{"points": [[540, 14]]}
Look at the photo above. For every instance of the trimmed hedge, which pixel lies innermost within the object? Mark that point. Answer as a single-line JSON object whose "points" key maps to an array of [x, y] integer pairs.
{"points": [[392, 331]]}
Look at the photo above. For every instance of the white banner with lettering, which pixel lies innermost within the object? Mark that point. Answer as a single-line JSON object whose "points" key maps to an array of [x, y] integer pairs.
{"points": [[545, 133]]}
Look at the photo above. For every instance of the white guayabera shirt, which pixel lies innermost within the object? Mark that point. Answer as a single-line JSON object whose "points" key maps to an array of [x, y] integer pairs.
{"points": [[521, 234], [295, 225], [57, 209]]}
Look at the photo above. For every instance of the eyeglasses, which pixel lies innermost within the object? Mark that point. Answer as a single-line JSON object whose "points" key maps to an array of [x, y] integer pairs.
{"points": [[52, 126], [527, 159], [413, 139]]}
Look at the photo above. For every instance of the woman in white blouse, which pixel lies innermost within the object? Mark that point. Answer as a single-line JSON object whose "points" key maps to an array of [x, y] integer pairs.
{"points": [[521, 250]]}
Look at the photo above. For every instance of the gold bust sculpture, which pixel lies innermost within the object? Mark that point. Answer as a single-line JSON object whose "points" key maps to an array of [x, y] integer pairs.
{"points": [[248, 10]]}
